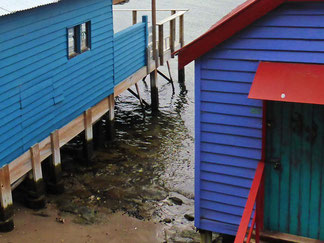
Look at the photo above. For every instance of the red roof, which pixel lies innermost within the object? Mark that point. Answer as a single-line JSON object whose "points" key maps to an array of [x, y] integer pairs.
{"points": [[289, 82], [235, 21]]}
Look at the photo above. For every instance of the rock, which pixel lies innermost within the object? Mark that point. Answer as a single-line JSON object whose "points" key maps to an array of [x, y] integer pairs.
{"points": [[87, 214], [167, 220], [189, 217], [155, 193], [176, 200], [60, 220], [67, 206]]}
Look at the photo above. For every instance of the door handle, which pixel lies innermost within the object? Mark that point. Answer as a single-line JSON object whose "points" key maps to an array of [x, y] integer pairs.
{"points": [[276, 163]]}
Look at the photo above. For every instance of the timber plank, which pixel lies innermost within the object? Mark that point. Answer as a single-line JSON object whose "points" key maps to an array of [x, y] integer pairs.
{"points": [[285, 175], [275, 174], [305, 169], [295, 161], [316, 173]]}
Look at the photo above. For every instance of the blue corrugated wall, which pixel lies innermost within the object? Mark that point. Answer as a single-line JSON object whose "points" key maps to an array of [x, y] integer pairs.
{"points": [[40, 89], [228, 124], [130, 50]]}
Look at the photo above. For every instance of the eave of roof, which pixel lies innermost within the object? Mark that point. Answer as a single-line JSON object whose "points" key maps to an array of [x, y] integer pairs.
{"points": [[12, 6], [235, 21], [116, 2]]}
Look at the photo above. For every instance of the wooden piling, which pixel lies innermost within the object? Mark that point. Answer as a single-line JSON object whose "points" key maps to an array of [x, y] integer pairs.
{"points": [[99, 134], [172, 32], [35, 197], [6, 209], [206, 236], [111, 118], [181, 75], [134, 15], [54, 183], [161, 44], [154, 91], [153, 75], [88, 137], [181, 72]]}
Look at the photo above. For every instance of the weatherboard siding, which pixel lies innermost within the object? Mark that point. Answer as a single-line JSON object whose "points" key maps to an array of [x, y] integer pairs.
{"points": [[130, 50], [228, 124], [41, 89]]}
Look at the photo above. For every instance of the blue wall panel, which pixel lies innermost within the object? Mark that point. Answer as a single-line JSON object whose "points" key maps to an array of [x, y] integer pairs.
{"points": [[41, 89], [130, 50], [228, 124]]}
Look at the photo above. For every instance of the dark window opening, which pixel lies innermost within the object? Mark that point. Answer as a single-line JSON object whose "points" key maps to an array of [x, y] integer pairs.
{"points": [[78, 39]]}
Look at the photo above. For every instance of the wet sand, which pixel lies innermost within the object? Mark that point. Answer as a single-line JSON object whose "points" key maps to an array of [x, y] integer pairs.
{"points": [[43, 226]]}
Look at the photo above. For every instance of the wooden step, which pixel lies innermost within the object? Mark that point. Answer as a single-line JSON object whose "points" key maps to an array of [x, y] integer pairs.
{"points": [[267, 236]]}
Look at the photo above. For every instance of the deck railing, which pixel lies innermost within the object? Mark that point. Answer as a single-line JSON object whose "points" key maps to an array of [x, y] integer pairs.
{"points": [[167, 41], [255, 198]]}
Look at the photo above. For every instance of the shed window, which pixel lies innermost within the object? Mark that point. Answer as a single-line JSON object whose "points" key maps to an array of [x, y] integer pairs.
{"points": [[78, 39], [85, 36], [73, 41]]}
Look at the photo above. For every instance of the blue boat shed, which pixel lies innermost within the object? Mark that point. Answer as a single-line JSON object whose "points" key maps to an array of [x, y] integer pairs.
{"points": [[259, 131], [61, 65]]}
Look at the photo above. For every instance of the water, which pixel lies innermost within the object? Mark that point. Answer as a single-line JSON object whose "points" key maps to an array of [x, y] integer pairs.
{"points": [[174, 127]]}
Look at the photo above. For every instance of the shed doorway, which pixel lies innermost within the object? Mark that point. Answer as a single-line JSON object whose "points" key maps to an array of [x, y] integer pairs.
{"points": [[294, 172]]}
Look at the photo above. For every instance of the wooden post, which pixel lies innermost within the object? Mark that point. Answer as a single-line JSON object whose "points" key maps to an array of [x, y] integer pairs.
{"points": [[55, 183], [181, 73], [172, 32], [111, 118], [154, 91], [153, 75], [99, 134], [6, 210], [161, 44], [88, 136], [148, 59], [206, 236], [35, 184], [134, 17]]}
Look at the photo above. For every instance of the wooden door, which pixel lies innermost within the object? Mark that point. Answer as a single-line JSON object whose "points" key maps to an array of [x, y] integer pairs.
{"points": [[294, 184]]}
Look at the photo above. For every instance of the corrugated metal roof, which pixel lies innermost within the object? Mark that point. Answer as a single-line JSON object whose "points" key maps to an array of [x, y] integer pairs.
{"points": [[13, 6]]}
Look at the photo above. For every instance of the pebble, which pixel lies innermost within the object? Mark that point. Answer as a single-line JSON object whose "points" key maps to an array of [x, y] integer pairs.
{"points": [[167, 220], [189, 217], [176, 200]]}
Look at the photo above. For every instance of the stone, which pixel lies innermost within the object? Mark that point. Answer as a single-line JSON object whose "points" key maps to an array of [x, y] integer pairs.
{"points": [[167, 220], [189, 217], [176, 200]]}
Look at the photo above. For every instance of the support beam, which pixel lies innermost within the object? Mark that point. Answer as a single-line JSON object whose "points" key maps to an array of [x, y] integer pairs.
{"points": [[206, 236], [134, 15], [172, 32], [139, 96], [111, 118], [35, 198], [181, 75], [154, 91], [153, 75], [161, 44], [54, 183], [99, 134], [88, 137], [181, 72], [6, 210]]}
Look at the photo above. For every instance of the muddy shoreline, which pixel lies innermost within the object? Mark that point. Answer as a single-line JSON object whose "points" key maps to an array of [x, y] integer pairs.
{"points": [[139, 176]]}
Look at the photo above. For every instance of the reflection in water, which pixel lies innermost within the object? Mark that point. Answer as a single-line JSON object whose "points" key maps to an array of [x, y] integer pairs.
{"points": [[161, 140]]}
